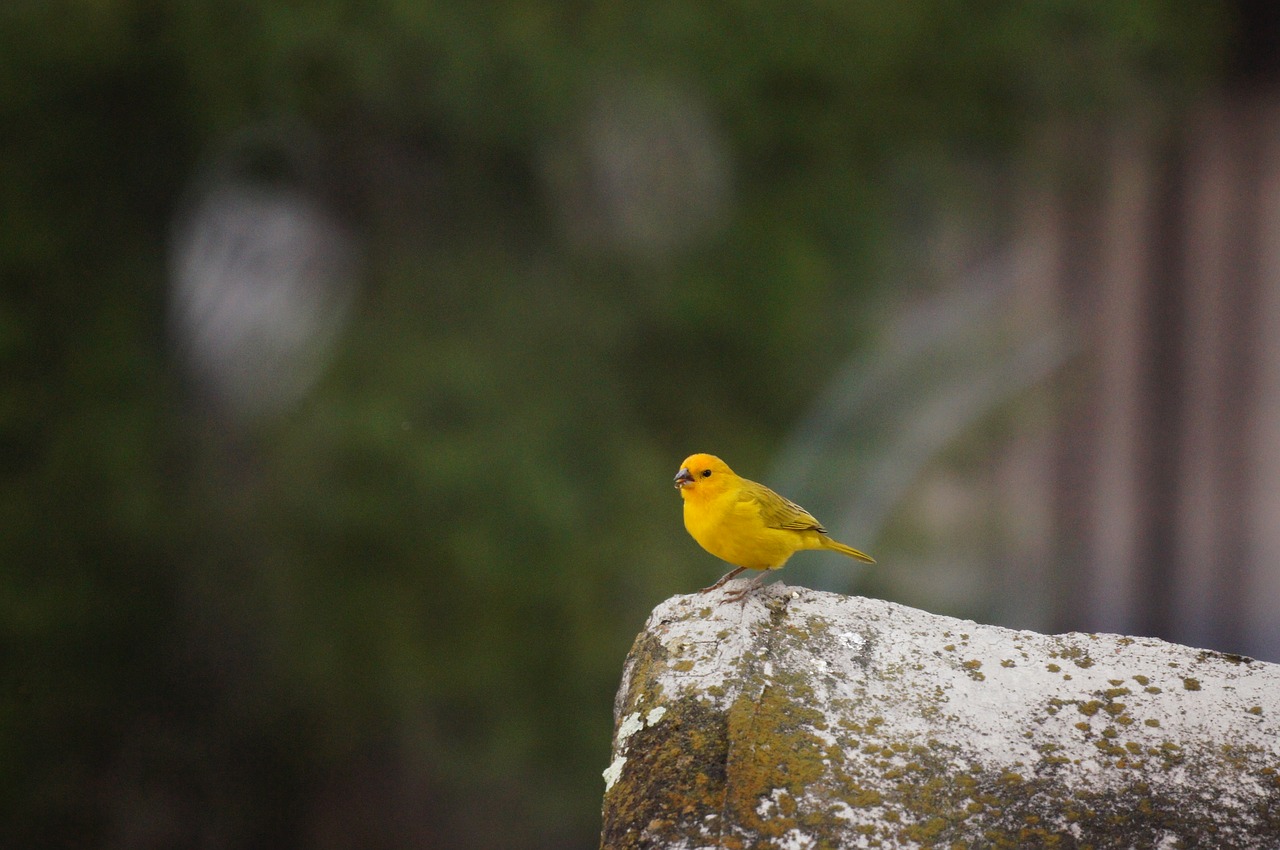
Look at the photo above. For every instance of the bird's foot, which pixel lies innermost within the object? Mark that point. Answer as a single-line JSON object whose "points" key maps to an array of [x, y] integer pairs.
{"points": [[741, 593], [727, 576]]}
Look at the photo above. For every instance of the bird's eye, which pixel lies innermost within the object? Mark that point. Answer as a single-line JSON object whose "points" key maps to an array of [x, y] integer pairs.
{"points": [[706, 473]]}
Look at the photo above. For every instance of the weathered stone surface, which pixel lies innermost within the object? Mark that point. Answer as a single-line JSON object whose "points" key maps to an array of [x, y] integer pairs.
{"points": [[801, 719]]}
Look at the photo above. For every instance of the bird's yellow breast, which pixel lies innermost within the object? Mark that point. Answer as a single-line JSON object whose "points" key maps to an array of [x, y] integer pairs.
{"points": [[733, 530]]}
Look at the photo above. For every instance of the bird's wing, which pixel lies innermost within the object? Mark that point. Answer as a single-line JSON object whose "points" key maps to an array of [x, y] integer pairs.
{"points": [[777, 512]]}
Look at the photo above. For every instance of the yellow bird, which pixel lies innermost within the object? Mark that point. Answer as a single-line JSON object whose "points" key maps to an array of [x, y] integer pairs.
{"points": [[746, 523]]}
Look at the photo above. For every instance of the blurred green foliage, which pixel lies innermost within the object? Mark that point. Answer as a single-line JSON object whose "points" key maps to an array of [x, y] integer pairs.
{"points": [[395, 615]]}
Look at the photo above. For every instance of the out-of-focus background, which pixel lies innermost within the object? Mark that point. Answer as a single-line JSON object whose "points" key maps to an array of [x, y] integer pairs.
{"points": [[350, 348]]}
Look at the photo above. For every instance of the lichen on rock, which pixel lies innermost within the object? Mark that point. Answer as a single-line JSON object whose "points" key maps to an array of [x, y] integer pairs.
{"points": [[799, 719]]}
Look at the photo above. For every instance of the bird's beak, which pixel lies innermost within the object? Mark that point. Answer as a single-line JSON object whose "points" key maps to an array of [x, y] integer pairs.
{"points": [[683, 477]]}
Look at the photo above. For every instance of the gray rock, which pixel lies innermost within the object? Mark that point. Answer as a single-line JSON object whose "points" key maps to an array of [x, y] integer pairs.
{"points": [[798, 719]]}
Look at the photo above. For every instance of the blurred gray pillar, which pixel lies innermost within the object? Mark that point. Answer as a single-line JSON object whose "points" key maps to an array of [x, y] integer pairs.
{"points": [[1156, 493], [1110, 581], [1261, 587], [1205, 556], [1025, 475]]}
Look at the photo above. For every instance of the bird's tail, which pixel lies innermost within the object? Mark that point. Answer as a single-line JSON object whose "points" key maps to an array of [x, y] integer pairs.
{"points": [[837, 546]]}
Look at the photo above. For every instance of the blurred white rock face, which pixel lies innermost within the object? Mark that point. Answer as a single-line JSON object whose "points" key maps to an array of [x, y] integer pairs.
{"points": [[262, 280], [643, 172], [807, 719]]}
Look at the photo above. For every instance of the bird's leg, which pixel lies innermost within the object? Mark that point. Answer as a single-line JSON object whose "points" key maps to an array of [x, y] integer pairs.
{"points": [[721, 582], [738, 595]]}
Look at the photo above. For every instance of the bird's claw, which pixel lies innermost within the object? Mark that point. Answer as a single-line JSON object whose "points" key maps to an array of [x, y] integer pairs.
{"points": [[723, 580], [741, 593]]}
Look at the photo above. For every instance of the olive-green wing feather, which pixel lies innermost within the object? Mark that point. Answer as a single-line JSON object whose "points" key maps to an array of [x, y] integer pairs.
{"points": [[778, 512]]}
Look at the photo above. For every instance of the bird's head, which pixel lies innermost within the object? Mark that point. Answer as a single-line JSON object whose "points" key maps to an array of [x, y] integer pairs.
{"points": [[704, 475]]}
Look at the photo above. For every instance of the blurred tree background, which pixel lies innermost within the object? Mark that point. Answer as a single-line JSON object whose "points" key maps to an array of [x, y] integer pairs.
{"points": [[372, 585]]}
